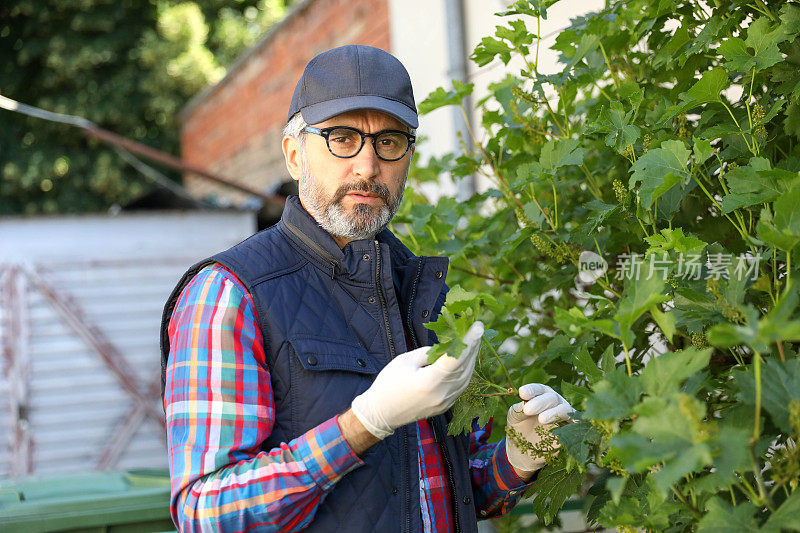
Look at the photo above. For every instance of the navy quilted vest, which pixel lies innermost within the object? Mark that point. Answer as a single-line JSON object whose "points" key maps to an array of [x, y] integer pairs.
{"points": [[331, 319]]}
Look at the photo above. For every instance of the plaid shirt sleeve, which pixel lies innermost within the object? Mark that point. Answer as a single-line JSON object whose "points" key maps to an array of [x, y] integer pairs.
{"points": [[219, 409], [495, 485]]}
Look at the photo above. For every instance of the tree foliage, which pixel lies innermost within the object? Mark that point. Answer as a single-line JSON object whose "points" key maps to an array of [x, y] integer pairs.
{"points": [[128, 66], [668, 146]]}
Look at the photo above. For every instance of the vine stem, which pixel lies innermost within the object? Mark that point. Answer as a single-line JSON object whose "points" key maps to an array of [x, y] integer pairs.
{"points": [[714, 201], [695, 511], [482, 275], [608, 64], [555, 200], [499, 360], [490, 394], [744, 138], [762, 489], [757, 370], [627, 360]]}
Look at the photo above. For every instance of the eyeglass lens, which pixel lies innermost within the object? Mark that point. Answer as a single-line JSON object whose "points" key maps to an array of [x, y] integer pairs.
{"points": [[347, 143]]}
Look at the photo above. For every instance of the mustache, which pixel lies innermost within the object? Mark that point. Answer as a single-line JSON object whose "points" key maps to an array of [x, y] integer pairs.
{"points": [[364, 186]]}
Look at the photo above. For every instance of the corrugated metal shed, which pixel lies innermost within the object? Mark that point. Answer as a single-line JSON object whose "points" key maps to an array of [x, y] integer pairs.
{"points": [[80, 307]]}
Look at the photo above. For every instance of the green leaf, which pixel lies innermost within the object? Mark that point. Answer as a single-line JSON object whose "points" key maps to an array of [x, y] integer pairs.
{"points": [[659, 169], [721, 517], [557, 154], [707, 89], [782, 392], [763, 40], [787, 517], [615, 121], [579, 439], [790, 20], [613, 397], [589, 42], [441, 97], [554, 485], [516, 33], [702, 151], [450, 330], [781, 322], [599, 213], [586, 365], [574, 322], [738, 58], [665, 321], [787, 212], [640, 295], [607, 361], [664, 374], [731, 449], [674, 239], [781, 238], [488, 49], [756, 183]]}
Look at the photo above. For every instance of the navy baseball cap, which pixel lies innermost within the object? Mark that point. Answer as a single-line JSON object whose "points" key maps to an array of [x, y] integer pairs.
{"points": [[354, 77]]}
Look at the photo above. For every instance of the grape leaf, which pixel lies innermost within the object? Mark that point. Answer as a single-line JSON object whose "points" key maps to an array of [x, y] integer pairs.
{"points": [[579, 439], [674, 239], [488, 49], [707, 89], [586, 365], [731, 454], [756, 183], [614, 396], [640, 295], [723, 518], [665, 373], [441, 97], [659, 169], [554, 485], [787, 517], [738, 58], [702, 151], [764, 42], [557, 154], [790, 20], [615, 121], [783, 390]]}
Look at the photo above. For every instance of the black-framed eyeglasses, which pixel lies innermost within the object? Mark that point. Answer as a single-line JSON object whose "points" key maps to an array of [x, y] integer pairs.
{"points": [[346, 142]]}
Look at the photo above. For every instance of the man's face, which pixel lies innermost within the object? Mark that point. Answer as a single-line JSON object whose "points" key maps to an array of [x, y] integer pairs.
{"points": [[352, 198]]}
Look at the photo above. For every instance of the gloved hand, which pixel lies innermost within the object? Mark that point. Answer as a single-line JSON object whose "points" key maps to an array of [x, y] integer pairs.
{"points": [[543, 407], [407, 389]]}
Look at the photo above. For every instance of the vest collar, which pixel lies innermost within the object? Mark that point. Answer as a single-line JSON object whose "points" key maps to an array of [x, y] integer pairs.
{"points": [[307, 232]]}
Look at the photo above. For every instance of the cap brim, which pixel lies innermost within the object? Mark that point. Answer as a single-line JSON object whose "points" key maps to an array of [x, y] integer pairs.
{"points": [[316, 113]]}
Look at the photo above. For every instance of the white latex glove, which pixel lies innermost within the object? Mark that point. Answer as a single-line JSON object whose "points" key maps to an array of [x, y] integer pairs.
{"points": [[543, 407], [408, 389]]}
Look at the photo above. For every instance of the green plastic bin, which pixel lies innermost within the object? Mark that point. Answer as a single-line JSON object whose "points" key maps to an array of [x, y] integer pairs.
{"points": [[133, 501]]}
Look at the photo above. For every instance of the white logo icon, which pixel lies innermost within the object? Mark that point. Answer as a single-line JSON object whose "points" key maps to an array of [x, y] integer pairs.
{"points": [[591, 266]]}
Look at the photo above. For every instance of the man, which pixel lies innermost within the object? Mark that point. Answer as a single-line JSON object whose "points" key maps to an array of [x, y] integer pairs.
{"points": [[297, 391]]}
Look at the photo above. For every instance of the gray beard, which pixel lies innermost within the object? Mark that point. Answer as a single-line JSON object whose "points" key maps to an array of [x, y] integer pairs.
{"points": [[363, 222]]}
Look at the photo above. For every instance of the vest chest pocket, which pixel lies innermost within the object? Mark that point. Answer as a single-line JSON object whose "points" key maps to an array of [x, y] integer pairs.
{"points": [[318, 354], [325, 377]]}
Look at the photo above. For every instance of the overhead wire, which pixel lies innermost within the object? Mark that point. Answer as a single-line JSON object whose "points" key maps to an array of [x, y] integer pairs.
{"points": [[123, 147]]}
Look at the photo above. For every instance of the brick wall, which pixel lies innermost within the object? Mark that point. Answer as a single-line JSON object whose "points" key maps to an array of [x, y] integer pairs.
{"points": [[234, 128]]}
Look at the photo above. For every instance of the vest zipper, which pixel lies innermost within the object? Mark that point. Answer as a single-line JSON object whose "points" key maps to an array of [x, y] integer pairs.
{"points": [[436, 435], [404, 440], [450, 477], [383, 298]]}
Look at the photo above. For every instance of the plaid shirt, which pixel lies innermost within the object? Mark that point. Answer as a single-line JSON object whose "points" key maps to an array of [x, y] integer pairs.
{"points": [[219, 409]]}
